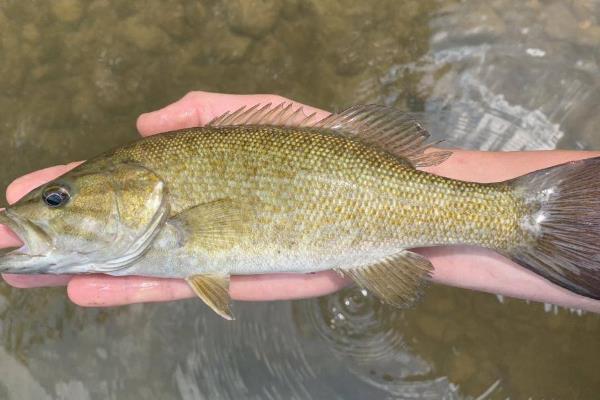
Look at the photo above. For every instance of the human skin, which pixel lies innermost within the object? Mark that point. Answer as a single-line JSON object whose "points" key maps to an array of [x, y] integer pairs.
{"points": [[461, 266]]}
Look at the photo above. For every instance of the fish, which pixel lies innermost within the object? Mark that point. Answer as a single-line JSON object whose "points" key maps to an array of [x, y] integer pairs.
{"points": [[268, 189]]}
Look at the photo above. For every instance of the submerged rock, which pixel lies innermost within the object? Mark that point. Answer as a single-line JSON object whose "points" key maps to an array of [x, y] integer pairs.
{"points": [[144, 35], [254, 18], [67, 10], [31, 33], [462, 367]]}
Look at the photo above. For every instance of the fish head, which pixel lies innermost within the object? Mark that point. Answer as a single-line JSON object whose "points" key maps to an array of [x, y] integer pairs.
{"points": [[96, 218]]}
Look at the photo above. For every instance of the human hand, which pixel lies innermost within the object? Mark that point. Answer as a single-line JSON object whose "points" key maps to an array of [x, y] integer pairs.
{"points": [[461, 266]]}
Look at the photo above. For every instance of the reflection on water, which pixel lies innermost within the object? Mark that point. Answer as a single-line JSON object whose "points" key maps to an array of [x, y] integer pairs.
{"points": [[453, 344], [500, 79], [364, 335], [74, 76]]}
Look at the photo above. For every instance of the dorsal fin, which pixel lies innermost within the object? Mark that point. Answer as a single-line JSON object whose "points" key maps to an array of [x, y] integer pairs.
{"points": [[283, 114], [384, 127], [388, 128]]}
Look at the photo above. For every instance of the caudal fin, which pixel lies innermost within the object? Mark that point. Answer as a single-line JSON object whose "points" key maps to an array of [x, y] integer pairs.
{"points": [[564, 225]]}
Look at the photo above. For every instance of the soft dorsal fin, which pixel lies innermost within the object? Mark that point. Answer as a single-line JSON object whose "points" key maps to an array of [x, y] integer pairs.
{"points": [[384, 127], [387, 128]]}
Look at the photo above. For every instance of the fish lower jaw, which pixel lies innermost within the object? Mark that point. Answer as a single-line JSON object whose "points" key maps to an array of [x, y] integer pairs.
{"points": [[33, 240]]}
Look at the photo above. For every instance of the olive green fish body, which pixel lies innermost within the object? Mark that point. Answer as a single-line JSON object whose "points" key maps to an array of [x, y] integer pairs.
{"points": [[316, 200], [265, 190]]}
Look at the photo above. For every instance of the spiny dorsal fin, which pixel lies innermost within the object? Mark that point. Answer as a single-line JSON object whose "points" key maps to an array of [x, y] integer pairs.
{"points": [[385, 127], [283, 114], [397, 280], [214, 291]]}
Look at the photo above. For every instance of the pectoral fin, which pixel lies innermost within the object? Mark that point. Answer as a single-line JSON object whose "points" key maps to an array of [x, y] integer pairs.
{"points": [[397, 280], [214, 291], [211, 226]]}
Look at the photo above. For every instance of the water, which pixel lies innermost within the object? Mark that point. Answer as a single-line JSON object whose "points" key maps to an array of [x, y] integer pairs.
{"points": [[74, 75]]}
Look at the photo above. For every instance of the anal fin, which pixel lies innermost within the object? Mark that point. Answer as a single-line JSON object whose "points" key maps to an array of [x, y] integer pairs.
{"points": [[214, 291], [397, 280]]}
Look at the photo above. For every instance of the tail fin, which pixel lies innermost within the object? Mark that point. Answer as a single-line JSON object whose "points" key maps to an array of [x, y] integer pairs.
{"points": [[564, 224]]}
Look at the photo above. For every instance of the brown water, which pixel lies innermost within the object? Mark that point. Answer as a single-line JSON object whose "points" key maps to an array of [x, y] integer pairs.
{"points": [[75, 74]]}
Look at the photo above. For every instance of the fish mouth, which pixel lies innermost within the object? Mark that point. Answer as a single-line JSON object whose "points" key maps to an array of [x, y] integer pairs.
{"points": [[16, 230], [23, 258]]}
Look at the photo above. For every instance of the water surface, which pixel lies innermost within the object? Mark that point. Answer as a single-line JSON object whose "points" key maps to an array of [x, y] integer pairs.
{"points": [[74, 75]]}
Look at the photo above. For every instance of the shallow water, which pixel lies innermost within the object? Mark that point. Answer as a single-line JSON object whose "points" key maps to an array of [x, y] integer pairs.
{"points": [[74, 75]]}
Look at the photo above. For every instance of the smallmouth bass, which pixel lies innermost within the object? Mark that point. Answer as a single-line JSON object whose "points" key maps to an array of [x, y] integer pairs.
{"points": [[266, 190]]}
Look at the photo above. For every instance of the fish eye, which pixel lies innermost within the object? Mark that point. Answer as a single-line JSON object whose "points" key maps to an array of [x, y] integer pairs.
{"points": [[56, 196]]}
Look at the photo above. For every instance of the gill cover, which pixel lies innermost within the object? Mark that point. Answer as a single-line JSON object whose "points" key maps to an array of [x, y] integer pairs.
{"points": [[141, 208]]}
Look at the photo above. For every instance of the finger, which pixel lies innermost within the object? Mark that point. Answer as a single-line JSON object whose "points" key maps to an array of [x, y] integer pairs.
{"points": [[484, 270], [25, 184], [102, 290], [199, 108], [34, 281], [285, 286], [106, 291], [489, 166]]}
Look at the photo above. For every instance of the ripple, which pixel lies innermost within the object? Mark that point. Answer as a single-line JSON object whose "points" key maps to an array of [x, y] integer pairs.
{"points": [[354, 323], [367, 336]]}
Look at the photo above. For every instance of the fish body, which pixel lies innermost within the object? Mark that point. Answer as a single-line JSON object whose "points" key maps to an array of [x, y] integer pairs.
{"points": [[258, 192], [312, 200]]}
